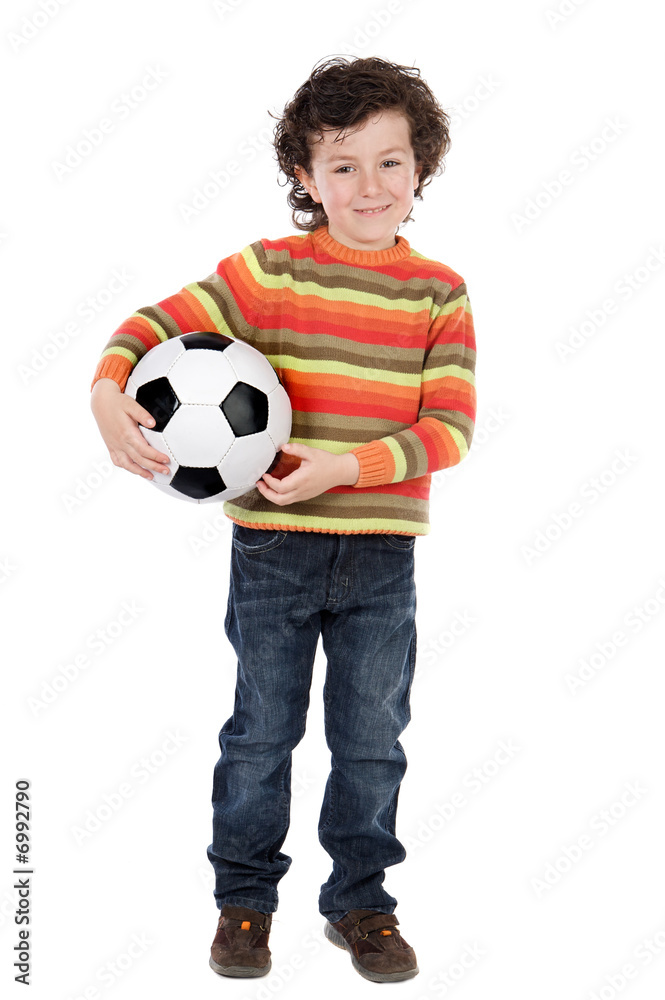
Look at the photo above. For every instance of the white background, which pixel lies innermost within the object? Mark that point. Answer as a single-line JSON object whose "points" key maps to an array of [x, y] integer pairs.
{"points": [[496, 895]]}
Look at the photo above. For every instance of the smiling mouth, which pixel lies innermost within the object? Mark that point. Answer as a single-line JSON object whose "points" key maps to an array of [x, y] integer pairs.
{"points": [[371, 211]]}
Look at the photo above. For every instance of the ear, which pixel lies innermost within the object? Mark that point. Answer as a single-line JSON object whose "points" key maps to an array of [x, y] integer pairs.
{"points": [[308, 183], [416, 176]]}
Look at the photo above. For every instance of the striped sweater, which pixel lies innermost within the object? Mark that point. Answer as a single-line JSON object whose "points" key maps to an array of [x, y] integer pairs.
{"points": [[375, 349]]}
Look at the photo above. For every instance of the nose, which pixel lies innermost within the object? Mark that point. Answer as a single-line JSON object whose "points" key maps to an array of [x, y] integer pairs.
{"points": [[370, 183]]}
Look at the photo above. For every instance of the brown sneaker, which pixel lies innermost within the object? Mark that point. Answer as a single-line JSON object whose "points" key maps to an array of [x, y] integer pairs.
{"points": [[240, 947], [378, 950]]}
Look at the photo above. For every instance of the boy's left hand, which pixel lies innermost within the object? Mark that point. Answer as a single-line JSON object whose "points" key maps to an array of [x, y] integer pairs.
{"points": [[318, 471]]}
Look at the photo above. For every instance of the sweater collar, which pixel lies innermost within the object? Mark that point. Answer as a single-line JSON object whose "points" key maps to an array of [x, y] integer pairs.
{"points": [[322, 238]]}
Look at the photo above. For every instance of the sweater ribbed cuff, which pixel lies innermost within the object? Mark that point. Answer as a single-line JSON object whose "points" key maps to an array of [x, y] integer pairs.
{"points": [[113, 366], [372, 460]]}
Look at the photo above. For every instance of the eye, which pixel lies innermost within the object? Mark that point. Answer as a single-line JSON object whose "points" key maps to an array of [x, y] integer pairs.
{"points": [[347, 167]]}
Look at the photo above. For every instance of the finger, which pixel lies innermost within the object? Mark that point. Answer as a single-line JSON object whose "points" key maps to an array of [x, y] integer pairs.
{"points": [[141, 415], [154, 457], [294, 448], [142, 446], [278, 485], [124, 461], [276, 498], [146, 456], [147, 463]]}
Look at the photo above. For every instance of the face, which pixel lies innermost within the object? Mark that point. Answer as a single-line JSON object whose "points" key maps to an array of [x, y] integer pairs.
{"points": [[373, 168]]}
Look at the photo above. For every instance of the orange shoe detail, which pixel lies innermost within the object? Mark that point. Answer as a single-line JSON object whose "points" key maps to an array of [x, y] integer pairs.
{"points": [[386, 933], [245, 925]]}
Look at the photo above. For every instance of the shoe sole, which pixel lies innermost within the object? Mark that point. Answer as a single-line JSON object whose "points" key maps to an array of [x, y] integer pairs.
{"points": [[375, 977], [240, 971]]}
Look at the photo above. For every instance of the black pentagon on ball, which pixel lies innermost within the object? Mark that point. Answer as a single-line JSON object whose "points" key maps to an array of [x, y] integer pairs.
{"points": [[206, 341], [246, 409], [159, 399], [197, 483]]}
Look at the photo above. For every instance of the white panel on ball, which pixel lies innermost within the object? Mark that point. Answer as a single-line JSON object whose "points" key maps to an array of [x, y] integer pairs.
{"points": [[156, 439], [156, 364], [279, 416], [228, 495], [202, 377], [250, 369], [199, 436], [247, 460]]}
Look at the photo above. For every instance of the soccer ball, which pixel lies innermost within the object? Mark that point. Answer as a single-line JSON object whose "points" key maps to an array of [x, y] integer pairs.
{"points": [[220, 410]]}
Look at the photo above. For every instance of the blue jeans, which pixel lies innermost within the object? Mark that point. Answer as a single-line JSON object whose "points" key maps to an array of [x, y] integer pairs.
{"points": [[286, 589]]}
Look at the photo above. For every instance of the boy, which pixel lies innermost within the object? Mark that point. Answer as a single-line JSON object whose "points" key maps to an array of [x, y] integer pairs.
{"points": [[375, 346]]}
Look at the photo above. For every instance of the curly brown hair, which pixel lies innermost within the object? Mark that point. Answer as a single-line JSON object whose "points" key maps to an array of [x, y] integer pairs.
{"points": [[343, 92]]}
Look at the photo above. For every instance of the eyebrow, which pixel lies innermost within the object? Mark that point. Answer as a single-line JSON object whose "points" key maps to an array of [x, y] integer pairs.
{"points": [[347, 156]]}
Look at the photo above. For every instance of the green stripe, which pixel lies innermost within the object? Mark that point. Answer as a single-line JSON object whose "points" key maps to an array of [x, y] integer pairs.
{"points": [[211, 307], [158, 330], [327, 444], [399, 526], [460, 304], [459, 440], [343, 368], [429, 374], [122, 351], [334, 294], [398, 456]]}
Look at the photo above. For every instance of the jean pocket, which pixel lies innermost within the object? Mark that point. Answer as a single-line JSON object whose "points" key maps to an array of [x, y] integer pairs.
{"points": [[255, 540], [400, 541]]}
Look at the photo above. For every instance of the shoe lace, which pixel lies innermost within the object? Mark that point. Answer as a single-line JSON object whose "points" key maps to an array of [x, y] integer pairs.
{"points": [[383, 931], [244, 925]]}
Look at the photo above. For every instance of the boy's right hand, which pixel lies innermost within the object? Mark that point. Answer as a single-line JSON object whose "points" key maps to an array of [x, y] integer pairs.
{"points": [[118, 417]]}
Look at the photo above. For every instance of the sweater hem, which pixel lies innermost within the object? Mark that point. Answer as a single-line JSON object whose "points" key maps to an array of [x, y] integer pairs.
{"points": [[324, 531]]}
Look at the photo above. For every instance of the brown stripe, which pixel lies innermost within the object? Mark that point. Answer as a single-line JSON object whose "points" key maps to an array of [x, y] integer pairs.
{"points": [[130, 343], [350, 277], [328, 347], [333, 427], [455, 419], [352, 506], [223, 297], [451, 354], [413, 450], [442, 296]]}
